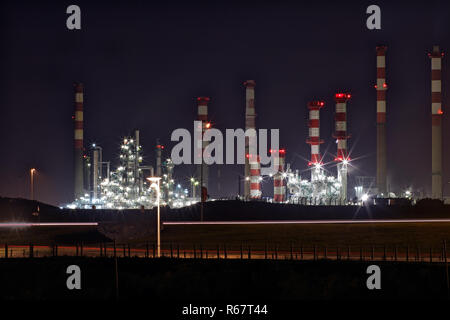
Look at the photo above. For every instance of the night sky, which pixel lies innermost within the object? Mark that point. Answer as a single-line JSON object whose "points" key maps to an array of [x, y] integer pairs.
{"points": [[143, 63]]}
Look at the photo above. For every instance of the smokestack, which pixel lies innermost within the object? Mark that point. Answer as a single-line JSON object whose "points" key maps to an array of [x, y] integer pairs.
{"points": [[250, 116], [255, 173], [78, 142], [314, 137], [436, 123], [158, 151], [381, 87], [341, 135], [202, 169], [278, 179]]}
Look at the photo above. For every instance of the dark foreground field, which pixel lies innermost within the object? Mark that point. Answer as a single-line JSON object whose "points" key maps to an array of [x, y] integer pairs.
{"points": [[229, 281]]}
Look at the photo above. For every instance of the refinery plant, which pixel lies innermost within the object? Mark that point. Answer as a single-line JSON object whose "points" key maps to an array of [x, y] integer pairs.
{"points": [[97, 185]]}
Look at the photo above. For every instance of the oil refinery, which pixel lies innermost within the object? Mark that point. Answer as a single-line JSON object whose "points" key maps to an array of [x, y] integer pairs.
{"points": [[97, 185]]}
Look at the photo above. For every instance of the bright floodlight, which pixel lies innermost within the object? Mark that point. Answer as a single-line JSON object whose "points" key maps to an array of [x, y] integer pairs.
{"points": [[345, 161], [364, 197], [154, 179]]}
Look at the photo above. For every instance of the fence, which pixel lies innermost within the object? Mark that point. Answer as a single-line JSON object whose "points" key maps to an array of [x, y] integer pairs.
{"points": [[270, 251]]}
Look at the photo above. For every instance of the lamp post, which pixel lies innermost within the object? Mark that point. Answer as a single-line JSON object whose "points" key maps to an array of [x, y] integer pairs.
{"points": [[155, 185], [32, 172]]}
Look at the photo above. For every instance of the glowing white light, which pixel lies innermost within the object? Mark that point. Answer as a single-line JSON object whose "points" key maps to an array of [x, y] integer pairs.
{"points": [[364, 197]]}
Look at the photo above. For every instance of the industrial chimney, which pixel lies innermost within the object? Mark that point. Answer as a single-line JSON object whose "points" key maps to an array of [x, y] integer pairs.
{"points": [[250, 116], [341, 135], [381, 88], [279, 189], [78, 142], [202, 169], [314, 137], [436, 123]]}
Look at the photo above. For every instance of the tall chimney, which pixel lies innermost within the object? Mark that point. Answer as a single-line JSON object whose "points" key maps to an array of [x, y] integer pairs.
{"points": [[250, 116], [436, 123], [255, 176], [158, 150], [314, 137], [78, 142], [381, 87], [202, 169], [279, 189], [341, 135]]}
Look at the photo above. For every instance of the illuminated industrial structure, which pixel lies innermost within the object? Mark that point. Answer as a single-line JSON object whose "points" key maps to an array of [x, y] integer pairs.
{"points": [[381, 88], [341, 136], [202, 168], [252, 162], [321, 189], [436, 123], [78, 142]]}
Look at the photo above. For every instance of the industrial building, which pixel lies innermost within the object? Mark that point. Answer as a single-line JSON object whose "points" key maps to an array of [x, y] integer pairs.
{"points": [[95, 184]]}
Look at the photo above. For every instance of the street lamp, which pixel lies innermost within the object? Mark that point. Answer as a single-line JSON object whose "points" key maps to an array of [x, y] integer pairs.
{"points": [[155, 185], [32, 172]]}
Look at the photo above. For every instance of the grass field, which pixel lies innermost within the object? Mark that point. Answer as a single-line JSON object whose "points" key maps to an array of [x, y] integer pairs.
{"points": [[49, 235], [425, 234], [411, 234]]}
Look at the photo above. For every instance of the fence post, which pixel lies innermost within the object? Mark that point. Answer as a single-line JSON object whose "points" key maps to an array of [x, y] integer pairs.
{"points": [[146, 250], [154, 250], [56, 250], [276, 251], [446, 269], [241, 250], [348, 252], [100, 248], [195, 253], [178, 250], [361, 253], [265, 250], [325, 252], [225, 251], [407, 252], [418, 253], [218, 252], [201, 251], [129, 251], [314, 252], [76, 250], [6, 250], [395, 252], [431, 254], [301, 252], [337, 253], [206, 253], [81, 248], [249, 252], [114, 244], [292, 252], [171, 250], [31, 250]]}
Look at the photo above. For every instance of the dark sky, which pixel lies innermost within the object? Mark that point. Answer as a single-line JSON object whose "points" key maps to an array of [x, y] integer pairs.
{"points": [[143, 62]]}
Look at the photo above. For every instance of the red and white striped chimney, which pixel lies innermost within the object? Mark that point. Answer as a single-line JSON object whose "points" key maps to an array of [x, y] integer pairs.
{"points": [[250, 117], [78, 142], [279, 189], [255, 176], [314, 135], [202, 169], [436, 123], [381, 87], [341, 135]]}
